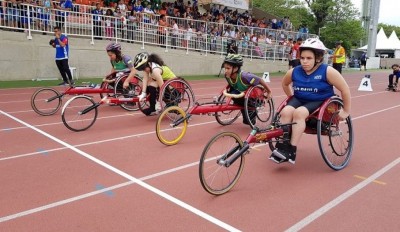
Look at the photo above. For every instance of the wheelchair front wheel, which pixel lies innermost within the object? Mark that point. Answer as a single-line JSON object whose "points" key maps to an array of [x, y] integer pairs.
{"points": [[72, 115], [46, 101], [167, 132], [215, 177]]}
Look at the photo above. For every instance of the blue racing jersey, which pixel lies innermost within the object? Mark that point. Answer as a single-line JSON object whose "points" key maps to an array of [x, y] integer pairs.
{"points": [[313, 87], [62, 52]]}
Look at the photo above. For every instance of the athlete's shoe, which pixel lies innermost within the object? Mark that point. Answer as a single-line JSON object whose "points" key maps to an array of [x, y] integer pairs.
{"points": [[283, 153]]}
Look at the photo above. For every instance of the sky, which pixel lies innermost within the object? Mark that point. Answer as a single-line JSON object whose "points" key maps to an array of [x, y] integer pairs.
{"points": [[388, 11]]}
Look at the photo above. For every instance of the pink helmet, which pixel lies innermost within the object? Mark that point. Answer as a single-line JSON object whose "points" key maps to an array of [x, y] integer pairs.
{"points": [[314, 44], [113, 47]]}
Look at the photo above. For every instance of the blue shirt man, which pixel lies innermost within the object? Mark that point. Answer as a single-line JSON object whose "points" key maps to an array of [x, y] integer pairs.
{"points": [[62, 54]]}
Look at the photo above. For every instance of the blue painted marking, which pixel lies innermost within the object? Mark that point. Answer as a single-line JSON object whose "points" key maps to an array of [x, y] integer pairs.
{"points": [[43, 151], [108, 193]]}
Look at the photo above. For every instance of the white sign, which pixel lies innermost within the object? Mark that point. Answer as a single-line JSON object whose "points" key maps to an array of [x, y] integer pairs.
{"points": [[365, 84], [265, 77], [241, 4]]}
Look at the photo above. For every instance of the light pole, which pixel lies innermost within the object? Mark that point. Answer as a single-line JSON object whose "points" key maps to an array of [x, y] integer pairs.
{"points": [[319, 31]]}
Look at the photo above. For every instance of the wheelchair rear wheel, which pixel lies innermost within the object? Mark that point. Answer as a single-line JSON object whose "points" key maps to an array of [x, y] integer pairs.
{"points": [[226, 117], [258, 111], [335, 137], [176, 92]]}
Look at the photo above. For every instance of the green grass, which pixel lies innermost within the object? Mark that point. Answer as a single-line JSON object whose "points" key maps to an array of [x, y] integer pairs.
{"points": [[45, 83]]}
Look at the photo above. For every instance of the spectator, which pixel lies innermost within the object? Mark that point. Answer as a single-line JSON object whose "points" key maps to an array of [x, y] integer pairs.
{"points": [[137, 7], [162, 29], [63, 7], [175, 34], [12, 7], [97, 19], [44, 15], [296, 52], [109, 21], [122, 6], [61, 44], [132, 24]]}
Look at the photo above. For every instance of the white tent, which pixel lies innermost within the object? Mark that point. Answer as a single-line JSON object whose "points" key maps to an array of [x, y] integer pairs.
{"points": [[394, 40], [384, 43]]}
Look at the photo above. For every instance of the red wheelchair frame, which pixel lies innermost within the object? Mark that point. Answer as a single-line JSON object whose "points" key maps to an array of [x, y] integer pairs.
{"points": [[174, 92], [81, 112], [52, 98], [225, 111], [335, 140]]}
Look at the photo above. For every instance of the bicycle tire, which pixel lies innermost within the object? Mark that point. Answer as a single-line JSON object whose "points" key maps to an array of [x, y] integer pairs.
{"points": [[212, 172], [257, 108], [228, 117], [167, 133], [335, 138], [50, 98], [71, 113]]}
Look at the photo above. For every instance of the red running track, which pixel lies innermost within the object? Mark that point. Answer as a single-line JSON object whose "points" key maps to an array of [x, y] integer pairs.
{"points": [[116, 176]]}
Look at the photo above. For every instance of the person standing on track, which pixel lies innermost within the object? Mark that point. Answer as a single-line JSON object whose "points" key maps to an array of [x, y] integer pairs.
{"points": [[312, 83], [239, 81], [339, 57], [61, 44]]}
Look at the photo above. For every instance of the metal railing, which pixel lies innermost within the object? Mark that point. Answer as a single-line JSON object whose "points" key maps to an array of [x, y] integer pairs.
{"points": [[192, 35]]}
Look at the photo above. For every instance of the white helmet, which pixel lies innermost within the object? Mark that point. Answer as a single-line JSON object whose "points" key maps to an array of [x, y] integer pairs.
{"points": [[314, 44]]}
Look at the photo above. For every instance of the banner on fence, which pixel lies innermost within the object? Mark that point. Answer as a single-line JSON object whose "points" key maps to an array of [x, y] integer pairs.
{"points": [[241, 4]]}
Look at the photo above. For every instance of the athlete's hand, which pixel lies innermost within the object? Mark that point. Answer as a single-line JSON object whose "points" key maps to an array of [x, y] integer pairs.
{"points": [[267, 95], [343, 114], [125, 85], [142, 96]]}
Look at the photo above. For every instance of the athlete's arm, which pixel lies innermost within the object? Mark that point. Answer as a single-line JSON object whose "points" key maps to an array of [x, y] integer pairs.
{"points": [[337, 80], [286, 81]]}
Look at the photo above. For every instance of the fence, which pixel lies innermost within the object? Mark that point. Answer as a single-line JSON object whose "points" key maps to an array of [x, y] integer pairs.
{"points": [[190, 35]]}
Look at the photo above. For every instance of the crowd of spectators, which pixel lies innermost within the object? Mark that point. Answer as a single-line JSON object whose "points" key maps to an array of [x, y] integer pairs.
{"points": [[180, 19]]}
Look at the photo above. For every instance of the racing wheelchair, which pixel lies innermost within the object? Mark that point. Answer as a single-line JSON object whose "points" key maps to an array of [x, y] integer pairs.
{"points": [[220, 168]]}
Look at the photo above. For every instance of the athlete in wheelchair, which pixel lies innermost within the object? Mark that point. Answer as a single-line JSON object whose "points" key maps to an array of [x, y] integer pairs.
{"points": [[121, 65], [155, 73], [312, 83]]}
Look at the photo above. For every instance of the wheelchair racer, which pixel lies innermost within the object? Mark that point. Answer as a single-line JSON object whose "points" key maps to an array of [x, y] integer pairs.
{"points": [[312, 83], [119, 62], [239, 81], [155, 73]]}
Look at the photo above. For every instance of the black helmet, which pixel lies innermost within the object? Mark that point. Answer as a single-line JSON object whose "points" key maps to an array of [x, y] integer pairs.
{"points": [[234, 59], [140, 61]]}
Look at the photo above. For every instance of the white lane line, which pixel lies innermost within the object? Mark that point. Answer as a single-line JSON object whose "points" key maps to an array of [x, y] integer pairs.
{"points": [[324, 209], [86, 195], [152, 132], [131, 178], [97, 142]]}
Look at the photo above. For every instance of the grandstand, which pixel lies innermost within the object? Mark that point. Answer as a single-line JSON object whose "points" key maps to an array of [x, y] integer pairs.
{"points": [[207, 34]]}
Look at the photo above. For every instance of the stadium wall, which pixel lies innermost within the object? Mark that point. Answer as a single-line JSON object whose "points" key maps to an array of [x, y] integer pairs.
{"points": [[22, 59]]}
